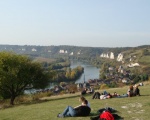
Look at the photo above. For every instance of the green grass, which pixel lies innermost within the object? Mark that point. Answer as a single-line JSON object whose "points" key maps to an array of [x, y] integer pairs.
{"points": [[134, 108], [145, 59], [42, 59]]}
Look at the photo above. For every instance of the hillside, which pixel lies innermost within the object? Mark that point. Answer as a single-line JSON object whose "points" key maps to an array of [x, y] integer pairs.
{"points": [[63, 50], [128, 55], [140, 56], [134, 108]]}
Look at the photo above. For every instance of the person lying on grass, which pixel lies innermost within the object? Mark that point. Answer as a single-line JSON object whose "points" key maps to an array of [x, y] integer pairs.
{"points": [[82, 110]]}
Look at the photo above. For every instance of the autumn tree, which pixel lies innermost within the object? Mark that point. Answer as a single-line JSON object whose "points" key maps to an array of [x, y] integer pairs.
{"points": [[17, 72]]}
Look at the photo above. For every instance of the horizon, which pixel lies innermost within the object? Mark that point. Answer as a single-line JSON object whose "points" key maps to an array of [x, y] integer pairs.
{"points": [[75, 23], [72, 46]]}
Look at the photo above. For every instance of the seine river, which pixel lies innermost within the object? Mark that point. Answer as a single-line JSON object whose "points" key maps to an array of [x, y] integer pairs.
{"points": [[90, 71]]}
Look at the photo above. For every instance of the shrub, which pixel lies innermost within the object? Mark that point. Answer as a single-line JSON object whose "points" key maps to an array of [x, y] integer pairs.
{"points": [[104, 86], [23, 99], [37, 96]]}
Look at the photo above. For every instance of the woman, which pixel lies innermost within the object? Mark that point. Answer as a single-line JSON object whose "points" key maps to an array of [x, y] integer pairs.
{"points": [[130, 91]]}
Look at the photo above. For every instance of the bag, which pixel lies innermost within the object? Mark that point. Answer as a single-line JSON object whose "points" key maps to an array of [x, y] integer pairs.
{"points": [[106, 115]]}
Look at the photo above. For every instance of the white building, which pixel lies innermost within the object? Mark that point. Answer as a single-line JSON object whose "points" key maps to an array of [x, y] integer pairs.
{"points": [[102, 55], [23, 49], [34, 50], [61, 51], [133, 65], [112, 55], [66, 51], [71, 53], [107, 56], [120, 57]]}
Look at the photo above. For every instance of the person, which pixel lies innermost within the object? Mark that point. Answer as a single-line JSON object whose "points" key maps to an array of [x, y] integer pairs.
{"points": [[115, 94], [130, 91], [128, 94], [56, 91], [83, 100], [82, 110], [96, 95], [136, 90], [83, 92], [102, 97], [91, 90]]}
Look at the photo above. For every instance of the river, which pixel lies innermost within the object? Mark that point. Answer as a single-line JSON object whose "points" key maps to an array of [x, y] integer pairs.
{"points": [[90, 71]]}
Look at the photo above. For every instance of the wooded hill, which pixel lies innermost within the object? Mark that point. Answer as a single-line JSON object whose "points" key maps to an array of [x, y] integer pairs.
{"points": [[66, 51]]}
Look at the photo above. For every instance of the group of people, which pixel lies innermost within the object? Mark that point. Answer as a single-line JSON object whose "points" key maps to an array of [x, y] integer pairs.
{"points": [[87, 90], [132, 91], [84, 108]]}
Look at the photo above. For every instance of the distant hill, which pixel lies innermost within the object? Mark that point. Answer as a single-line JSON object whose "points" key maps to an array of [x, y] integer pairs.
{"points": [[128, 55], [64, 50]]}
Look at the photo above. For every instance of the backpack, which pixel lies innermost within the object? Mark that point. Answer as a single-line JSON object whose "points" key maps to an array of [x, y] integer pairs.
{"points": [[106, 116]]}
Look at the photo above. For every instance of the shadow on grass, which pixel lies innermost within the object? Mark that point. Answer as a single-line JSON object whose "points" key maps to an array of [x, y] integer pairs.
{"points": [[145, 95]]}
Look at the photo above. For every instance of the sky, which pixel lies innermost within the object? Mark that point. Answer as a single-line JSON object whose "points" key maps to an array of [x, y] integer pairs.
{"points": [[92, 23]]}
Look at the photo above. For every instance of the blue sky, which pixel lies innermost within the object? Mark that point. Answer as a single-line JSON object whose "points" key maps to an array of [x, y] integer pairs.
{"points": [[95, 23]]}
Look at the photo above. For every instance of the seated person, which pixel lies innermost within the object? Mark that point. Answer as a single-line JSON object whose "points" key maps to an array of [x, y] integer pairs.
{"points": [[83, 92], [136, 90], [91, 90], [82, 110], [130, 91]]}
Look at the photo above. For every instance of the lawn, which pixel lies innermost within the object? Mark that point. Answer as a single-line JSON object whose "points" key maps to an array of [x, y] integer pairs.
{"points": [[134, 108]]}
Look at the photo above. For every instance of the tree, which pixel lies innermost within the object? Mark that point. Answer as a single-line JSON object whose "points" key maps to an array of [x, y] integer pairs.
{"points": [[17, 72]]}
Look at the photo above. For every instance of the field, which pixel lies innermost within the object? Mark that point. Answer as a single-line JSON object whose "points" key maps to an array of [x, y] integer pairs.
{"points": [[134, 108], [42, 59]]}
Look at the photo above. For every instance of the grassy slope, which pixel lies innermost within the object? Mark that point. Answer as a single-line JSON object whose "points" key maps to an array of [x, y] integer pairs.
{"points": [[135, 108], [42, 59]]}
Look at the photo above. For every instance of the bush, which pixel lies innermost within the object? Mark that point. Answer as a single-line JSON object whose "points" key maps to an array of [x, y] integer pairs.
{"points": [[104, 86], [37, 96], [23, 99]]}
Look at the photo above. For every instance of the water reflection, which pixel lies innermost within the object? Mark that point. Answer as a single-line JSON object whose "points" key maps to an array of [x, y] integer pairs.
{"points": [[90, 71]]}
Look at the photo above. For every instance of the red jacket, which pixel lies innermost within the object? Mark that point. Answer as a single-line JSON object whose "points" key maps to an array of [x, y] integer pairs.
{"points": [[107, 116]]}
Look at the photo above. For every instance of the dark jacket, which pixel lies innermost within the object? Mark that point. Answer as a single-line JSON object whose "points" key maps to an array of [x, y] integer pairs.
{"points": [[82, 111], [136, 91]]}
